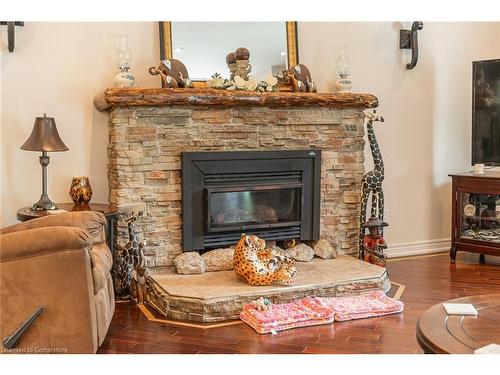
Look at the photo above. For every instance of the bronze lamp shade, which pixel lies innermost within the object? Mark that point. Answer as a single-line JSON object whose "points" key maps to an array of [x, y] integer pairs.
{"points": [[44, 137]]}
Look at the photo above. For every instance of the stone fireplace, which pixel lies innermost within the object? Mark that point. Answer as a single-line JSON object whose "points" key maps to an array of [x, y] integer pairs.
{"points": [[150, 129]]}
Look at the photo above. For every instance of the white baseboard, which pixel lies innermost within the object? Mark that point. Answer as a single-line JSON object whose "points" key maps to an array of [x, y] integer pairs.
{"points": [[418, 248]]}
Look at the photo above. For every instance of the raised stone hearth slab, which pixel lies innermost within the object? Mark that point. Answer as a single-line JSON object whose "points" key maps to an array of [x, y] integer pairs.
{"points": [[219, 296]]}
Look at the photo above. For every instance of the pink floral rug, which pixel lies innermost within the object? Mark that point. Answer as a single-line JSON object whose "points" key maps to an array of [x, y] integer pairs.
{"points": [[311, 311]]}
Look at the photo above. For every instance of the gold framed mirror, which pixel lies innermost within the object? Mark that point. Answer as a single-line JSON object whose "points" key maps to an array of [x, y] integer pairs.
{"points": [[203, 46]]}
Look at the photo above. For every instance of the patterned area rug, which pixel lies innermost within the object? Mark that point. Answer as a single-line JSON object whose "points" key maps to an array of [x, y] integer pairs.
{"points": [[311, 311]]}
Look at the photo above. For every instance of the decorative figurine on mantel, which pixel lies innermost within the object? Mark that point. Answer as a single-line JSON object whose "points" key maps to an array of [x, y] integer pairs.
{"points": [[231, 64], [270, 84], [238, 63], [128, 258], [373, 243], [300, 77], [239, 79], [173, 74], [372, 180]]}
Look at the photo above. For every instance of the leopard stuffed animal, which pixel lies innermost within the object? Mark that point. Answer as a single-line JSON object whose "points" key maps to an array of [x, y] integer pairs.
{"points": [[260, 266]]}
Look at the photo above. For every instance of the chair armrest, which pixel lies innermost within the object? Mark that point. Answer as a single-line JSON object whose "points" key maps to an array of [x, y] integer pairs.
{"points": [[49, 267], [90, 221], [42, 241]]}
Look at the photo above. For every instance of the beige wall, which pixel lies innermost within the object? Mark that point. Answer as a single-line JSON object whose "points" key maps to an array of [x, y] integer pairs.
{"points": [[427, 110], [58, 68]]}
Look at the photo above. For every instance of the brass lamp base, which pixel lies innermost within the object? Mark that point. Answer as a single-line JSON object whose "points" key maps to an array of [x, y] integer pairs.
{"points": [[44, 203]]}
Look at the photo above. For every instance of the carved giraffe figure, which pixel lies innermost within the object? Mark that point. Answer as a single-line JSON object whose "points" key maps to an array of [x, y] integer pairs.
{"points": [[139, 277], [372, 181], [128, 256]]}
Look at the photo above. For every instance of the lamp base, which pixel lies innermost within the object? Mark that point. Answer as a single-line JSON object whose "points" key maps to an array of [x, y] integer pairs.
{"points": [[43, 204]]}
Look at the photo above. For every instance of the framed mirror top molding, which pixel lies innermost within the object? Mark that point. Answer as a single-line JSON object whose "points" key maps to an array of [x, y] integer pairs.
{"points": [[203, 46]]}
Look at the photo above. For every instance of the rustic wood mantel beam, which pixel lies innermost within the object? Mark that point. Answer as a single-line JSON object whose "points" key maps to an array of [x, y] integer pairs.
{"points": [[124, 97]]}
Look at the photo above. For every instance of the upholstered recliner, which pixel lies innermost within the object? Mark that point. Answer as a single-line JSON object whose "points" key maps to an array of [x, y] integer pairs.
{"points": [[61, 262]]}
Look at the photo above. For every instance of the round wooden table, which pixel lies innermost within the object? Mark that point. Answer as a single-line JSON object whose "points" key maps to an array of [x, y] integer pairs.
{"points": [[440, 333], [26, 213]]}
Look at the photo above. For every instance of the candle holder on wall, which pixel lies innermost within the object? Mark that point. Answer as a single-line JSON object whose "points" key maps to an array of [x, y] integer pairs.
{"points": [[408, 39], [11, 31]]}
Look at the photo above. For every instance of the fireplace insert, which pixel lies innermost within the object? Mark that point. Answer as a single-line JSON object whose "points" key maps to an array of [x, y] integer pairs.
{"points": [[272, 194]]}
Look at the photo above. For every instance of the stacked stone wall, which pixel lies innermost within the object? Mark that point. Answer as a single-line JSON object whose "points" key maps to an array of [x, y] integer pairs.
{"points": [[145, 146]]}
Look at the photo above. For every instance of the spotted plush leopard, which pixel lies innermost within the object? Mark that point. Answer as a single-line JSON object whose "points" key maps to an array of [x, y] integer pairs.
{"points": [[260, 266]]}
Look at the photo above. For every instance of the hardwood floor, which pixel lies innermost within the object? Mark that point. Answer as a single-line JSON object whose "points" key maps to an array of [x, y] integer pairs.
{"points": [[428, 280]]}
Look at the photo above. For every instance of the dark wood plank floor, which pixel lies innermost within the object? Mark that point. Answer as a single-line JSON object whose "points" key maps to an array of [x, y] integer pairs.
{"points": [[428, 280]]}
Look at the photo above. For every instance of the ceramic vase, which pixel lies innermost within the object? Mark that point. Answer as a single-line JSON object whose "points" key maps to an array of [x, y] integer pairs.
{"points": [[80, 191]]}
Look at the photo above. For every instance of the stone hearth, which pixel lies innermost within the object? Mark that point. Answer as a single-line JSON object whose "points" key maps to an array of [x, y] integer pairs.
{"points": [[218, 296], [150, 128]]}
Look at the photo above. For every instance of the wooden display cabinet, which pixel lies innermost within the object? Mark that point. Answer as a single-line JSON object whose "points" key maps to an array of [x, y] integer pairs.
{"points": [[475, 224]]}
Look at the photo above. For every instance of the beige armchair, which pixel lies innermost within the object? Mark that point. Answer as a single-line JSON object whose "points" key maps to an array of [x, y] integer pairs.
{"points": [[60, 262]]}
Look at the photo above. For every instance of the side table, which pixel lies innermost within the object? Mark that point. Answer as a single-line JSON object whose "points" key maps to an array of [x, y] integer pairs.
{"points": [[110, 212]]}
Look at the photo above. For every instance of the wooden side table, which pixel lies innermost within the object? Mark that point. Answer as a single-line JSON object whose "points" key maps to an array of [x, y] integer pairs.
{"points": [[110, 212], [439, 333]]}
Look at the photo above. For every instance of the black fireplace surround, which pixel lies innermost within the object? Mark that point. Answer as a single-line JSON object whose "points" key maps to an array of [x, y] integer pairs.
{"points": [[272, 194]]}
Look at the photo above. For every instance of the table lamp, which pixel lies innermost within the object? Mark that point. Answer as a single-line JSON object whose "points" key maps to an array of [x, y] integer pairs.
{"points": [[45, 138]]}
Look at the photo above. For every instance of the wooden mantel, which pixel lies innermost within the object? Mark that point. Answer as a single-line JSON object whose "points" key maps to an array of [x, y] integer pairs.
{"points": [[124, 97]]}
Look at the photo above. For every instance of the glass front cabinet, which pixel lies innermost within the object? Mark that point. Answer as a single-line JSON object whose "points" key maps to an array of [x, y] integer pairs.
{"points": [[475, 223]]}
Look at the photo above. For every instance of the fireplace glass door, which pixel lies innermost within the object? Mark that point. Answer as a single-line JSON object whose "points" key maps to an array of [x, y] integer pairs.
{"points": [[244, 208]]}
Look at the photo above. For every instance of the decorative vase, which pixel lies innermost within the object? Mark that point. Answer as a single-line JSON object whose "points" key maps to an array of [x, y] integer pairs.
{"points": [[123, 78], [80, 191], [344, 83]]}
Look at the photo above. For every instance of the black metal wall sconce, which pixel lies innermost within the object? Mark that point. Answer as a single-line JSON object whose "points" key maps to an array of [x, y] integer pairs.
{"points": [[408, 39], [11, 31]]}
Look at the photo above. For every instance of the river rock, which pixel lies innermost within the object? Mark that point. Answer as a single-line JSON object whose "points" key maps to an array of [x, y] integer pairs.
{"points": [[219, 259], [324, 249], [189, 263], [300, 252]]}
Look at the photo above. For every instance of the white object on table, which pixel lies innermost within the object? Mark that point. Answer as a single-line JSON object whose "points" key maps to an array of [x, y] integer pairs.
{"points": [[479, 168], [488, 349], [459, 309]]}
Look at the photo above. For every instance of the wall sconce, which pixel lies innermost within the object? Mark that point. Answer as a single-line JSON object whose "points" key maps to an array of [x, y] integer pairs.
{"points": [[11, 30], [408, 39]]}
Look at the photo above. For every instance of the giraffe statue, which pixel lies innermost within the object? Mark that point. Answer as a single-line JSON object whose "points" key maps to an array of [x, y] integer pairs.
{"points": [[372, 181], [128, 256]]}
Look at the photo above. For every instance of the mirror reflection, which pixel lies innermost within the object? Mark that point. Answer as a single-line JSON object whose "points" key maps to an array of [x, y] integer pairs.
{"points": [[203, 46]]}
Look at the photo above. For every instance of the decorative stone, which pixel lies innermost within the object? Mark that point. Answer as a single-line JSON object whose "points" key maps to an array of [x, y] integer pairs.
{"points": [[323, 249], [219, 259], [189, 263], [301, 252]]}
